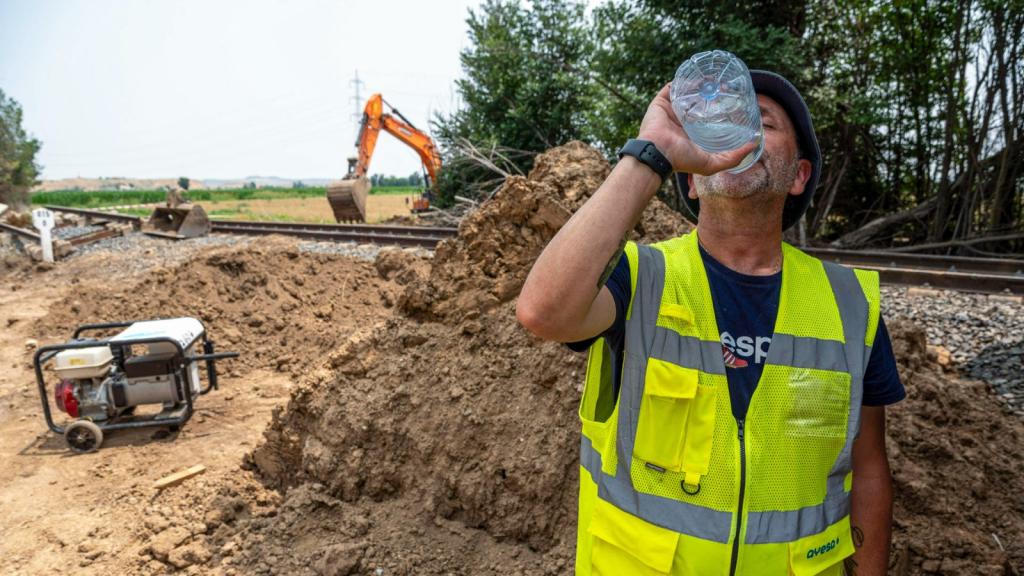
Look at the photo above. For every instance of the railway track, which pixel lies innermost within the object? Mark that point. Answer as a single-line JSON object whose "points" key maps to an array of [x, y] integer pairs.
{"points": [[20, 232], [948, 272], [361, 233], [96, 214], [421, 236]]}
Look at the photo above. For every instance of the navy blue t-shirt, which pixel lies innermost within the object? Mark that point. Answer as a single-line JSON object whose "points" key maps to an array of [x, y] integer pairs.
{"points": [[745, 308]]}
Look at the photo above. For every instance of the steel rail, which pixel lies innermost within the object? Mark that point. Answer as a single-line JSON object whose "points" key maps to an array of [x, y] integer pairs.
{"points": [[300, 226], [374, 228], [101, 214], [923, 261], [407, 236], [947, 272], [23, 232]]}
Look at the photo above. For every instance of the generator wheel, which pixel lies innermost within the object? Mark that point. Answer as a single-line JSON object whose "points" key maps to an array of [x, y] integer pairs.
{"points": [[83, 436]]}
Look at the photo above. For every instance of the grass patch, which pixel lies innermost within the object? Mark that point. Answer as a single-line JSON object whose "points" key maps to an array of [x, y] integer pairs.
{"points": [[101, 198], [140, 212], [395, 190], [104, 198]]}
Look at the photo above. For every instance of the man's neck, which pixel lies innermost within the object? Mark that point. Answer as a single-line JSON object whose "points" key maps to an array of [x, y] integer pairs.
{"points": [[744, 240]]}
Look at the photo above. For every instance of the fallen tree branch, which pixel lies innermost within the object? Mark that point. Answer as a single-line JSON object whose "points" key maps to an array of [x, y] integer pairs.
{"points": [[874, 228]]}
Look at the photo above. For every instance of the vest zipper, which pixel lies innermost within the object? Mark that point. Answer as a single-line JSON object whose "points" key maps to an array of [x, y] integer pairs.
{"points": [[739, 508]]}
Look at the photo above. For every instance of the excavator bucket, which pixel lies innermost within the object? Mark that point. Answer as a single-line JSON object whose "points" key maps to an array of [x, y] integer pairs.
{"points": [[182, 221], [348, 199]]}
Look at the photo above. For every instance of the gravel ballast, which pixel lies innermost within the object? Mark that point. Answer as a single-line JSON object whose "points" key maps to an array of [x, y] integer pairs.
{"points": [[983, 333]]}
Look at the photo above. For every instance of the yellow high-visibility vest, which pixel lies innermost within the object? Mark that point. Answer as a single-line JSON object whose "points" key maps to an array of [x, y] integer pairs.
{"points": [[670, 482]]}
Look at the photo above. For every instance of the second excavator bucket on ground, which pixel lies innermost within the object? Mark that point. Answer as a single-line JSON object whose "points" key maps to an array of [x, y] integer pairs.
{"points": [[182, 221], [348, 199]]}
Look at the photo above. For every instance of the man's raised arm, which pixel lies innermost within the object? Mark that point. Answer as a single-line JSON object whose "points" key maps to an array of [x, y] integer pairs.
{"points": [[564, 298]]}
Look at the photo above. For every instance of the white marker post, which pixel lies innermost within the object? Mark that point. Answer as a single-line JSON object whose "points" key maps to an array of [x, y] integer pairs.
{"points": [[42, 219]]}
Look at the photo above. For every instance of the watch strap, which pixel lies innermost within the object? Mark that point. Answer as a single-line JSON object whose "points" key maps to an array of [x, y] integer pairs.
{"points": [[647, 153]]}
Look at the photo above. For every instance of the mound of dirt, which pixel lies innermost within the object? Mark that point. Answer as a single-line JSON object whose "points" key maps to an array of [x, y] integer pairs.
{"points": [[471, 422], [282, 308], [487, 263], [445, 441], [957, 458], [455, 416]]}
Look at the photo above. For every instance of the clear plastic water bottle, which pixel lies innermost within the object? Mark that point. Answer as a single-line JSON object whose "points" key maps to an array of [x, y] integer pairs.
{"points": [[713, 97]]}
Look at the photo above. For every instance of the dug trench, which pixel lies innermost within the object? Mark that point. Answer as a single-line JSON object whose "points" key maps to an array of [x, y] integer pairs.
{"points": [[427, 433]]}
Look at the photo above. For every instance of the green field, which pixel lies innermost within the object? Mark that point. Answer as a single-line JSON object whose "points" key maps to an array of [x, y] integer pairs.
{"points": [[403, 190], [102, 198]]}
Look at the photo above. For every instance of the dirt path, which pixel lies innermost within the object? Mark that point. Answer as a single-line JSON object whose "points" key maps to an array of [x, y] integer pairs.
{"points": [[61, 510], [97, 513]]}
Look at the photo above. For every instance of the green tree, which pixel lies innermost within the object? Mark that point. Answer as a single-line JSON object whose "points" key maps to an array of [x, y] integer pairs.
{"points": [[183, 183], [525, 85], [18, 167], [639, 44], [917, 103]]}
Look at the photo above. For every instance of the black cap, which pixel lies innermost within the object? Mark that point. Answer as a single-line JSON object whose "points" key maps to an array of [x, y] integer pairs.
{"points": [[779, 89]]}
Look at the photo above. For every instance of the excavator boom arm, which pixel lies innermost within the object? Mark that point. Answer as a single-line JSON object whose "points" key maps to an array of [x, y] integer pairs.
{"points": [[369, 129], [418, 141], [375, 120]]}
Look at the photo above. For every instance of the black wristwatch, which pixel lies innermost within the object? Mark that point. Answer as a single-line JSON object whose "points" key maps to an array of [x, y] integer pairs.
{"points": [[646, 152]]}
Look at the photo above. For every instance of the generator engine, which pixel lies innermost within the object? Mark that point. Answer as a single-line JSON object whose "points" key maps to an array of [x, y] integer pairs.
{"points": [[103, 380]]}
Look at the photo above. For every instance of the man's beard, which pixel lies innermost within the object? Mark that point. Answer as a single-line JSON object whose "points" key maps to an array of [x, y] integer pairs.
{"points": [[766, 179]]}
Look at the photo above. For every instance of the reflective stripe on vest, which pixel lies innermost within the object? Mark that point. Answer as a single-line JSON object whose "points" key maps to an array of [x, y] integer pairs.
{"points": [[646, 340]]}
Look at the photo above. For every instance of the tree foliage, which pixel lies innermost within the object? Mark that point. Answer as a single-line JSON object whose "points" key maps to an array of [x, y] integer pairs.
{"points": [[639, 45], [918, 104], [522, 87], [18, 168], [414, 179]]}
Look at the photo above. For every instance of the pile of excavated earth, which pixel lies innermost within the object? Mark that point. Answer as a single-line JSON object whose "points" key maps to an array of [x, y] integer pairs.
{"points": [[441, 438]]}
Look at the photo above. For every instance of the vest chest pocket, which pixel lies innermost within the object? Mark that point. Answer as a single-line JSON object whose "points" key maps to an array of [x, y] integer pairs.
{"points": [[677, 420]]}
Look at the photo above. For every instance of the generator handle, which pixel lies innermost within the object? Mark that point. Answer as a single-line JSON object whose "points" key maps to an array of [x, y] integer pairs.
{"points": [[100, 326], [216, 356], [210, 356]]}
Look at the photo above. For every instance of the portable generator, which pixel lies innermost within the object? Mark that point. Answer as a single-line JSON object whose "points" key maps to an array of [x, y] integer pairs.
{"points": [[103, 381]]}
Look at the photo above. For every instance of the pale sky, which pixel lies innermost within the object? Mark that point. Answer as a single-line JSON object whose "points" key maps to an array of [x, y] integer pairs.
{"points": [[223, 89]]}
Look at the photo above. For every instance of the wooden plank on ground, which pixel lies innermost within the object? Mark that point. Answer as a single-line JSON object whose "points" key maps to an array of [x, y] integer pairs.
{"points": [[95, 236], [179, 477]]}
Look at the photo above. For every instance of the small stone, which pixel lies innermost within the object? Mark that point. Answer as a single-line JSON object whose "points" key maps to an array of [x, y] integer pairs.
{"points": [[185, 556], [341, 560], [163, 543], [31, 344]]}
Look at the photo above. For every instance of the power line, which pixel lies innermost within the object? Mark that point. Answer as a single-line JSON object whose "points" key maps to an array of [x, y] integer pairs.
{"points": [[357, 99]]}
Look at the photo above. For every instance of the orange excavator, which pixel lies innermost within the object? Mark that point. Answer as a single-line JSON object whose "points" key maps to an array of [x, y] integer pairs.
{"points": [[348, 196]]}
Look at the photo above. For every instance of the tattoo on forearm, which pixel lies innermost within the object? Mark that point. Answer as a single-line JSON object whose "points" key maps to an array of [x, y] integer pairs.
{"points": [[849, 564], [611, 265]]}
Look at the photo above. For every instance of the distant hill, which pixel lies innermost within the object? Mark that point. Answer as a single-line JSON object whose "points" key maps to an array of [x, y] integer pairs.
{"points": [[264, 182], [91, 184]]}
